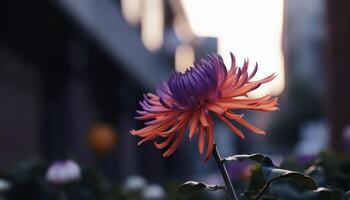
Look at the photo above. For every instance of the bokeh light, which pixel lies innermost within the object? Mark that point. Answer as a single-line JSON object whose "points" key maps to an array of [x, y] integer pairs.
{"points": [[249, 28]]}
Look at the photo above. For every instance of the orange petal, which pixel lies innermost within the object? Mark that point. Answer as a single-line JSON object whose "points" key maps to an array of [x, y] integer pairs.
{"points": [[145, 130], [150, 130], [210, 138], [193, 124], [215, 108], [201, 140], [246, 100], [250, 126], [233, 116], [242, 90], [173, 129], [234, 105], [163, 119], [242, 80], [164, 143], [176, 143], [232, 127], [147, 116], [267, 79], [151, 137], [203, 119]]}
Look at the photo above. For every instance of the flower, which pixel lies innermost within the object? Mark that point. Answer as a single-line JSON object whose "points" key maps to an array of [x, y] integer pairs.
{"points": [[153, 192], [5, 185], [135, 183], [188, 99], [62, 172]]}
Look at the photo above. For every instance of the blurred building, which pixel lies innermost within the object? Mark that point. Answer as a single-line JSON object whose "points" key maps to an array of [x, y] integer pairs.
{"points": [[304, 41], [69, 66]]}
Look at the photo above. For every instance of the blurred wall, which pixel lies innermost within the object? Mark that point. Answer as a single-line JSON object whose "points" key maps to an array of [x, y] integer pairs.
{"points": [[20, 108], [338, 69]]}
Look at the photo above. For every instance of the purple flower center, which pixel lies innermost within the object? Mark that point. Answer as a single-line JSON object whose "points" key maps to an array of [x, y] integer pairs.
{"points": [[199, 84]]}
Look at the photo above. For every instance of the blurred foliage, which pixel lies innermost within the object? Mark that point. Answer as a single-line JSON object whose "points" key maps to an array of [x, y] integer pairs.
{"points": [[325, 177], [329, 170]]}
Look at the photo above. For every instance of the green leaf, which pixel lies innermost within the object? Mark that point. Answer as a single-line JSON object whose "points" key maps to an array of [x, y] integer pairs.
{"points": [[346, 196], [272, 174], [328, 194], [192, 186], [260, 158]]}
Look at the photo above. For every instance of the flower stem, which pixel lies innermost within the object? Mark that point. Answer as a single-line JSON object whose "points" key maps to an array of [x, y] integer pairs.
{"points": [[263, 190], [229, 188]]}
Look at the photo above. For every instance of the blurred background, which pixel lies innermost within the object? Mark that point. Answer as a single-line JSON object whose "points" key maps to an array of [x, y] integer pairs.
{"points": [[72, 73]]}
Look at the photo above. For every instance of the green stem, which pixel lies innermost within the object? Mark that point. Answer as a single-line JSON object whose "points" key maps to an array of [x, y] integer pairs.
{"points": [[229, 188]]}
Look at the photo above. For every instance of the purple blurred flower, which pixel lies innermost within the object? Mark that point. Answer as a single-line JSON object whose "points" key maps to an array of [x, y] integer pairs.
{"points": [[153, 192], [63, 172], [239, 170], [135, 183], [305, 159]]}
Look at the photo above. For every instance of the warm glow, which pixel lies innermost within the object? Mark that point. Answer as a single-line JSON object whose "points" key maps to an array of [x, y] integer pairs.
{"points": [[152, 24], [182, 30], [184, 57], [248, 28], [131, 10]]}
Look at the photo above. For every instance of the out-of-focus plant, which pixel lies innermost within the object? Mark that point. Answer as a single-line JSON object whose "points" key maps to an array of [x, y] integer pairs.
{"points": [[153, 192], [293, 179], [133, 187], [63, 172], [66, 180]]}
